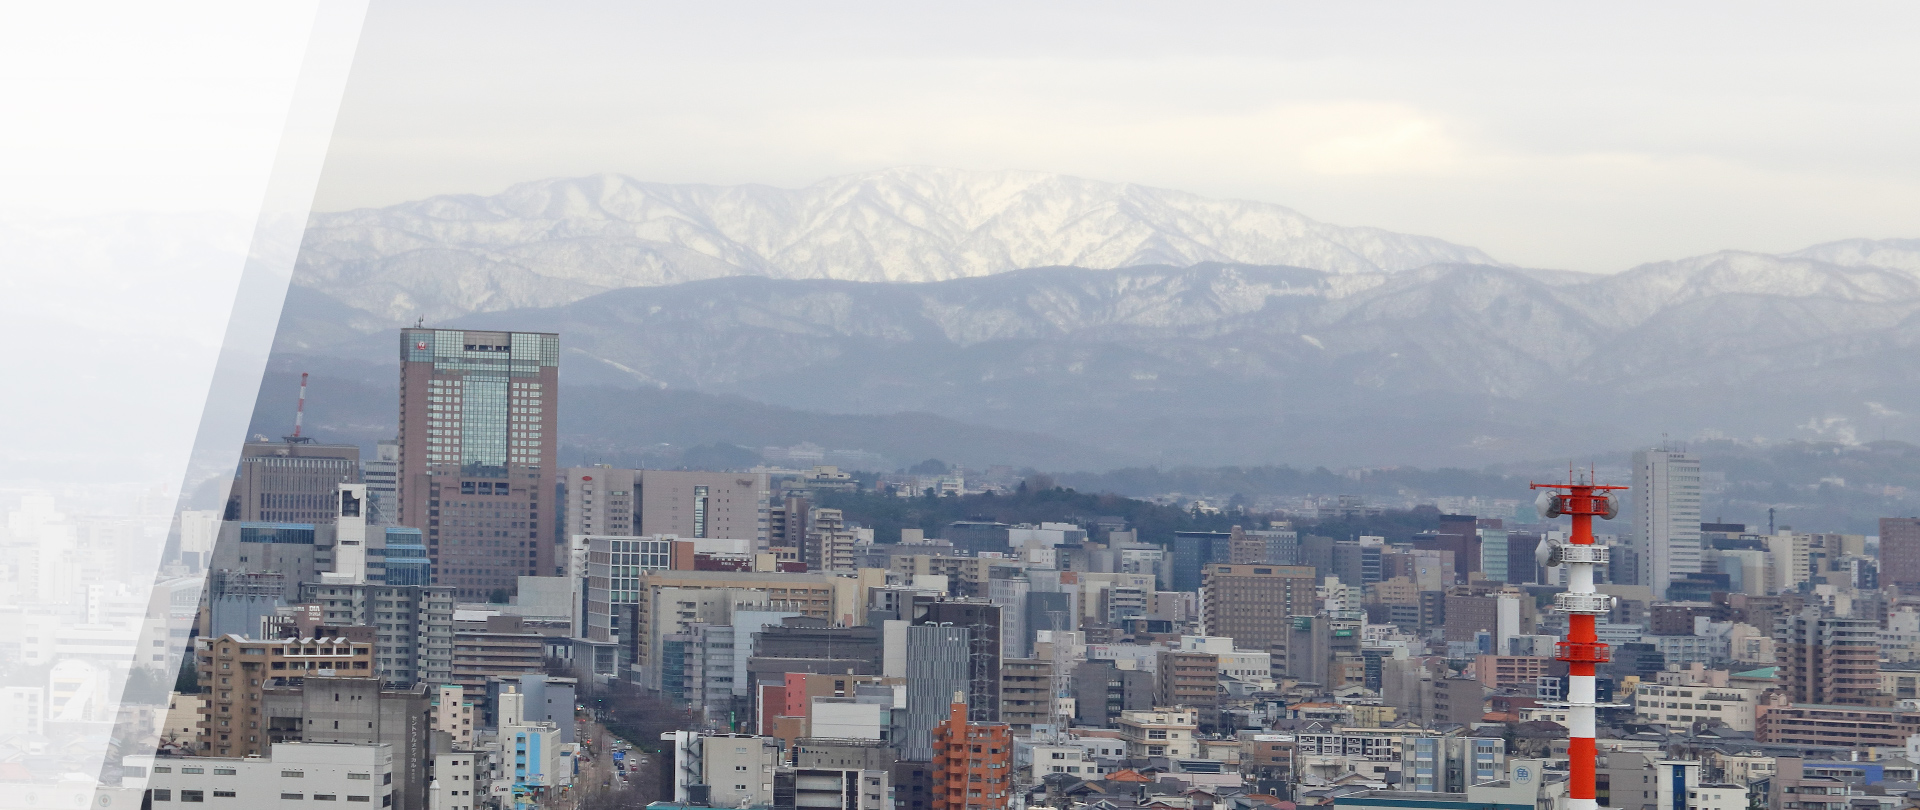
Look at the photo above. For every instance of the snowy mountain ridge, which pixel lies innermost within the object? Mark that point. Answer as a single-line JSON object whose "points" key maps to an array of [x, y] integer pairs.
{"points": [[550, 242]]}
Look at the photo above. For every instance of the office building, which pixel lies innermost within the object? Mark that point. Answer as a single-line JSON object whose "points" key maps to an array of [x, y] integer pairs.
{"points": [[1900, 551], [236, 601], [981, 620], [288, 775], [1450, 763], [614, 568], [291, 482], [1665, 498], [1493, 553], [1522, 566], [477, 451], [598, 500], [413, 625], [455, 775], [1856, 727], [1193, 552], [817, 596], [699, 505], [358, 711], [1102, 690], [692, 505], [937, 669], [541, 760], [381, 474], [1254, 604], [972, 763], [846, 788], [403, 560], [496, 647], [1263, 546], [1686, 704], [235, 673], [1511, 672], [1827, 660]]}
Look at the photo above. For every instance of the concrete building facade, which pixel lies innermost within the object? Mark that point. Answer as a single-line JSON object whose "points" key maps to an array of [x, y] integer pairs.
{"points": [[287, 775], [1666, 516]]}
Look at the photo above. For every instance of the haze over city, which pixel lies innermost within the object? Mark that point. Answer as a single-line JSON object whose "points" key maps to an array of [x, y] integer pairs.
{"points": [[497, 406]]}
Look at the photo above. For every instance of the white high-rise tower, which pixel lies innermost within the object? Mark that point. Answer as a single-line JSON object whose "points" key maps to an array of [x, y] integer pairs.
{"points": [[1666, 516]]}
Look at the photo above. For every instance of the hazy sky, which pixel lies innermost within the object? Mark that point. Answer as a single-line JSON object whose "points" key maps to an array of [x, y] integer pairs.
{"points": [[1586, 138]]}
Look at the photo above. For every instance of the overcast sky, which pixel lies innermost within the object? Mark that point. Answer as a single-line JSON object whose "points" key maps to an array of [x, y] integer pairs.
{"points": [[1592, 139]]}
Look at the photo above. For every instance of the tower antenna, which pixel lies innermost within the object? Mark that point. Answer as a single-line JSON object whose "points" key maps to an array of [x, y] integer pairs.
{"points": [[299, 414], [1582, 649]]}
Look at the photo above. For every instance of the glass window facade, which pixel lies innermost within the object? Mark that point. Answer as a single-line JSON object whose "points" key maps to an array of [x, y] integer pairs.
{"points": [[295, 533]]}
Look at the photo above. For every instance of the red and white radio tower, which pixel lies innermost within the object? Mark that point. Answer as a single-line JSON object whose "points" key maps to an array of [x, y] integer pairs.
{"points": [[1582, 648], [300, 414]]}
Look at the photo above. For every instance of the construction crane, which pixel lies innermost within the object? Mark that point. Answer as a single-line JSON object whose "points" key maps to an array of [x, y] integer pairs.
{"points": [[299, 415]]}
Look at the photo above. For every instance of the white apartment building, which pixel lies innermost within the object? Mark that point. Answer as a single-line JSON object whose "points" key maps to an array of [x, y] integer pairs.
{"points": [[1241, 671], [531, 753], [1791, 560], [455, 781], [1688, 704], [1900, 642], [1666, 516], [1161, 732], [291, 777], [1075, 757], [739, 769], [1546, 714], [1741, 769], [847, 788], [453, 714], [1717, 797]]}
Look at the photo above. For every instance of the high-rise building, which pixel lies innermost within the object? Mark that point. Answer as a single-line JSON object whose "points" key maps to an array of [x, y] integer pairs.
{"points": [[381, 474], [477, 452], [597, 500], [1026, 692], [1459, 534], [1900, 551], [1494, 556], [972, 763], [686, 503], [937, 669], [1254, 604], [1829, 661], [291, 482], [829, 543], [696, 504], [413, 626], [1189, 679], [1666, 516], [1193, 552], [981, 619]]}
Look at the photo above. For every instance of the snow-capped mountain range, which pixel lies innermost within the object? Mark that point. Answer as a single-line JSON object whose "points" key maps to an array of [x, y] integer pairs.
{"points": [[554, 241], [1151, 325]]}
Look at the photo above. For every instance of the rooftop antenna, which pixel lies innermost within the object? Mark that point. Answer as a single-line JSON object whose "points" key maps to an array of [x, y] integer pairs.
{"points": [[299, 414]]}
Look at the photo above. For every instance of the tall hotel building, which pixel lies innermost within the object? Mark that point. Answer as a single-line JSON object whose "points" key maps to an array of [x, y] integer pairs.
{"points": [[477, 418], [1666, 516]]}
